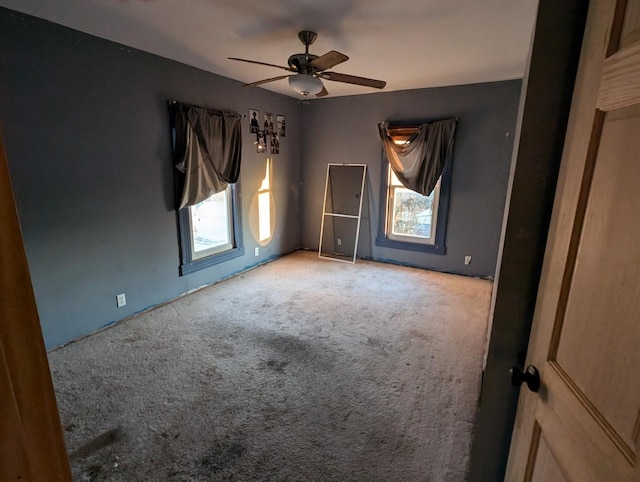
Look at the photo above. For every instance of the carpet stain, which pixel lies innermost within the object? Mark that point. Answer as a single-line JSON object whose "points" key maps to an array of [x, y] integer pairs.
{"points": [[133, 338], [276, 365], [107, 438], [298, 350], [91, 473], [223, 350], [419, 335], [379, 345], [374, 342], [222, 456], [289, 344]]}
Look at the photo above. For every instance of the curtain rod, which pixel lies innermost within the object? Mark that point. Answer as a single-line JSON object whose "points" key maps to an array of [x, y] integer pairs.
{"points": [[172, 102], [386, 124]]}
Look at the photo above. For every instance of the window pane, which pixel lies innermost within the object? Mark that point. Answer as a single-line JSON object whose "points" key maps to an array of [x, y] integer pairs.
{"points": [[210, 222], [394, 181], [412, 213]]}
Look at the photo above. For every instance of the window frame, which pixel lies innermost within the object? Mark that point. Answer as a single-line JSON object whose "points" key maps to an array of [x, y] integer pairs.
{"points": [[189, 264], [438, 246], [391, 197], [220, 248]]}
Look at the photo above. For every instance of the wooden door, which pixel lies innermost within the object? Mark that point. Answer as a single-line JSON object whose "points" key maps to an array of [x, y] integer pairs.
{"points": [[31, 442], [584, 423]]}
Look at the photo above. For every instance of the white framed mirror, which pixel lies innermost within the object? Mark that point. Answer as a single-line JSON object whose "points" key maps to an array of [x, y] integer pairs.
{"points": [[341, 211]]}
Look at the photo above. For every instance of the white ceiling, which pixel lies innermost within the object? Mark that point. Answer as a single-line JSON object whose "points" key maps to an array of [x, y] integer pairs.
{"points": [[409, 43]]}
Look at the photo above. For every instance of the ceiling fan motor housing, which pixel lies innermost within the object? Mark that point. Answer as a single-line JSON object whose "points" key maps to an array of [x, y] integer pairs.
{"points": [[300, 62]]}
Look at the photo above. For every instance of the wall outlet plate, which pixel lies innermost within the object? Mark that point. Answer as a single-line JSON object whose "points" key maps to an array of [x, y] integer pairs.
{"points": [[121, 300], [467, 260], [257, 251]]}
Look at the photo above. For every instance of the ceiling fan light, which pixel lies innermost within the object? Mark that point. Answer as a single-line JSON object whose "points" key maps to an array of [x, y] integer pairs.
{"points": [[305, 84]]}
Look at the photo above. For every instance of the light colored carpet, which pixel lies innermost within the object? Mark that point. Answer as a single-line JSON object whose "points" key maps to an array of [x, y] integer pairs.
{"points": [[299, 370]]}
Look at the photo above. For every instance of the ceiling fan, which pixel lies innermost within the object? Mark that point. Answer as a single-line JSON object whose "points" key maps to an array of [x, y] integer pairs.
{"points": [[309, 69]]}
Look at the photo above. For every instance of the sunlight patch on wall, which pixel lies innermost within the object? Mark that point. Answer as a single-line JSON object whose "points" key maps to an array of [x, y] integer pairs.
{"points": [[263, 208]]}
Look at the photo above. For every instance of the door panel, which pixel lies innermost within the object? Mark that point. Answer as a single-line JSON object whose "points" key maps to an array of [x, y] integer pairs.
{"points": [[585, 446], [631, 25], [584, 423], [598, 346], [620, 83], [546, 467]]}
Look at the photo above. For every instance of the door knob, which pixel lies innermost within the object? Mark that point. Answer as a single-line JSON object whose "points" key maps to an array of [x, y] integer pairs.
{"points": [[530, 376]]}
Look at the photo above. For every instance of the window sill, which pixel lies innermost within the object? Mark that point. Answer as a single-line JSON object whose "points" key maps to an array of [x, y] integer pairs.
{"points": [[209, 261], [423, 248]]}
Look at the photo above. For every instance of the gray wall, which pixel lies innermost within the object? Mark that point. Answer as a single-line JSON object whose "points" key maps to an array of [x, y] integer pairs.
{"points": [[86, 131], [343, 129]]}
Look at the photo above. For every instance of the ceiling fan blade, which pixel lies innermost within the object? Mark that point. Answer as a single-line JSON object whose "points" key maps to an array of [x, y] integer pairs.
{"points": [[323, 92], [328, 60], [260, 82], [352, 79], [262, 63]]}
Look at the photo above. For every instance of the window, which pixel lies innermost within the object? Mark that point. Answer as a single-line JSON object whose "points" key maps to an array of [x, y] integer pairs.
{"points": [[411, 217], [210, 231], [211, 225], [409, 220]]}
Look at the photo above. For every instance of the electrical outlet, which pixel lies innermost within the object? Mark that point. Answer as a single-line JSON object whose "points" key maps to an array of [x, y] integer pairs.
{"points": [[121, 300], [339, 242], [467, 260], [257, 251]]}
